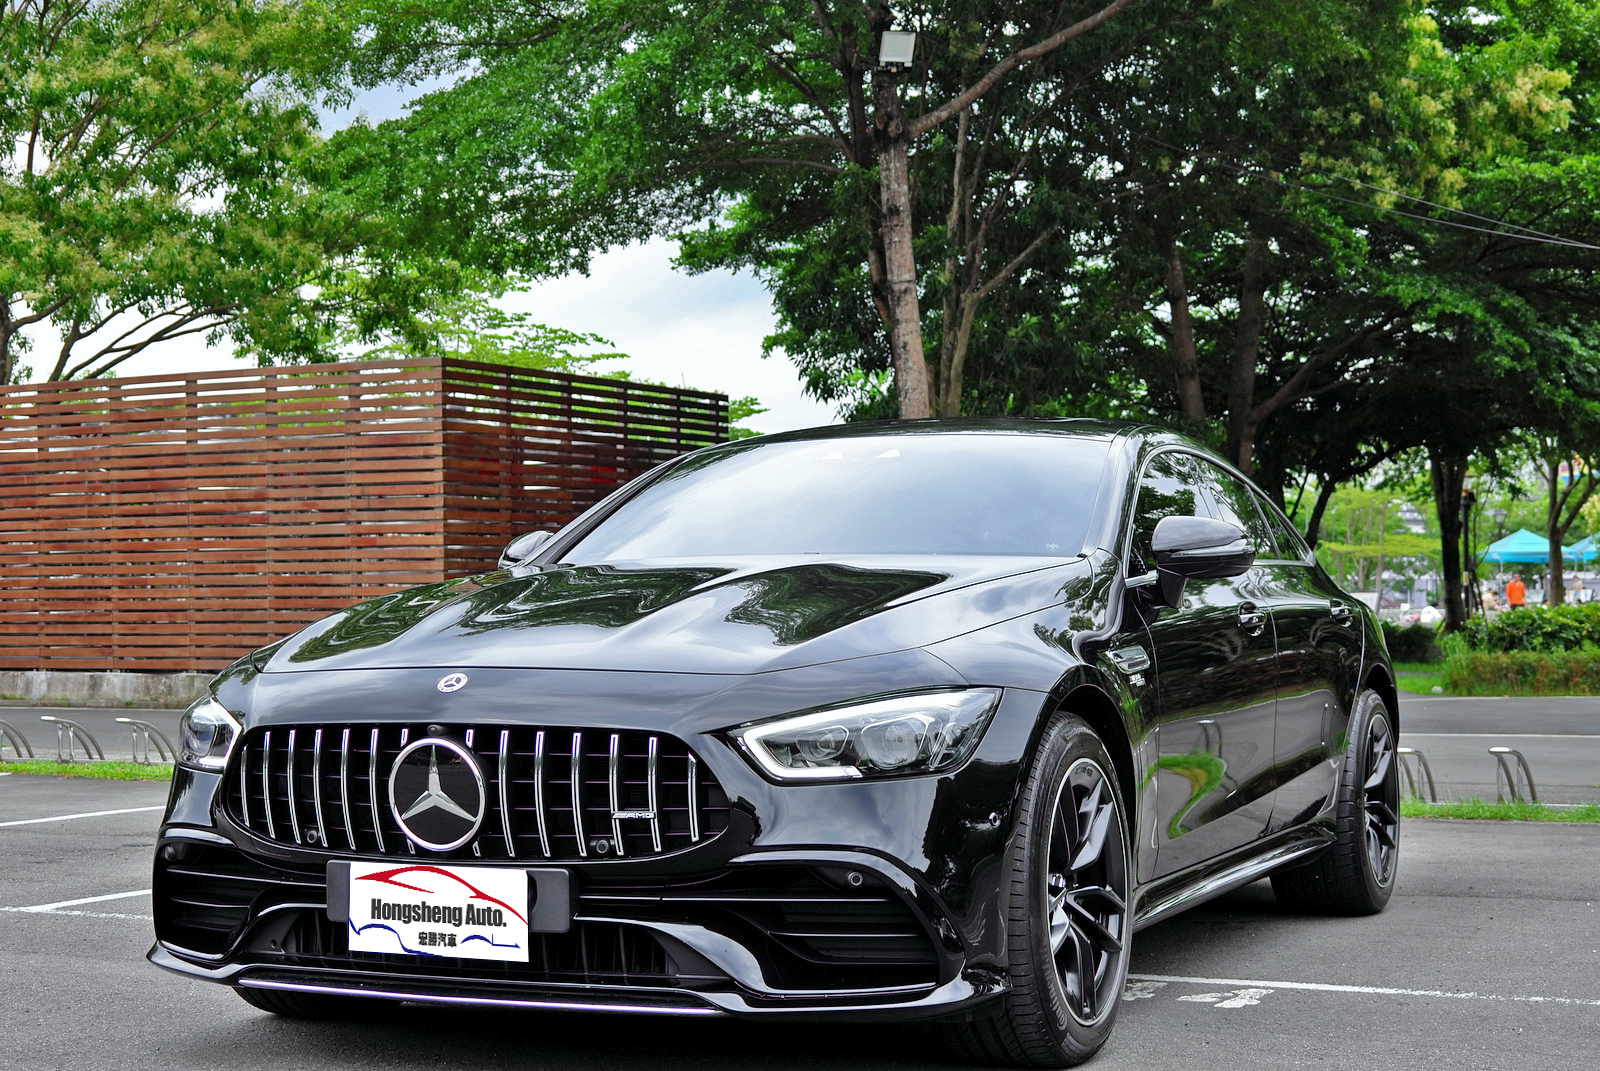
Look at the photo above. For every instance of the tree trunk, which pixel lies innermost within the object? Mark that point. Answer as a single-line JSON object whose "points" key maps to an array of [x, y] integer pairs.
{"points": [[1377, 575], [1449, 475], [1191, 403], [1554, 533], [899, 260], [1325, 491], [960, 339], [1242, 419], [958, 304], [7, 358]]}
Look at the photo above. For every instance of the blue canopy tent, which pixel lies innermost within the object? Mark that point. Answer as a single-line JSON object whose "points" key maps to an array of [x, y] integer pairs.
{"points": [[1525, 546]]}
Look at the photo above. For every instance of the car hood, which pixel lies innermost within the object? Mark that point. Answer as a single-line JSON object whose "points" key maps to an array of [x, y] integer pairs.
{"points": [[741, 617]]}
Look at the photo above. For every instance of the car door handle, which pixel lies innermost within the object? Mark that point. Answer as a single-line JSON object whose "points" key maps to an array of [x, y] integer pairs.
{"points": [[1341, 613], [1251, 619], [1130, 659]]}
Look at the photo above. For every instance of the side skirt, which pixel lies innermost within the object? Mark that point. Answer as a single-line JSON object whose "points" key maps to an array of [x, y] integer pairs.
{"points": [[1213, 878]]}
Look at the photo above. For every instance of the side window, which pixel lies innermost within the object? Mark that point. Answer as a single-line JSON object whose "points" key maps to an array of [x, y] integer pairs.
{"points": [[1232, 501], [1291, 547], [1165, 490]]}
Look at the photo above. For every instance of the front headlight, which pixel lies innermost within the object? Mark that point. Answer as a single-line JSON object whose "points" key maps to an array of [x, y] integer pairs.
{"points": [[912, 734], [206, 735]]}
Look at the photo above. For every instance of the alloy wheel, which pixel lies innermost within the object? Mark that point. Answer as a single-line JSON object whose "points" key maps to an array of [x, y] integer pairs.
{"points": [[1086, 892], [1382, 801]]}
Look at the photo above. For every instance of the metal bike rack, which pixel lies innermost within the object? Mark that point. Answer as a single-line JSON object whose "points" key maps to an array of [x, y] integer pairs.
{"points": [[144, 734], [18, 742], [68, 734], [1416, 771], [1508, 774]]}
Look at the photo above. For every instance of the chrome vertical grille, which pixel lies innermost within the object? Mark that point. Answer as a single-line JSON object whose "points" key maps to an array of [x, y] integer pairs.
{"points": [[550, 793], [502, 778]]}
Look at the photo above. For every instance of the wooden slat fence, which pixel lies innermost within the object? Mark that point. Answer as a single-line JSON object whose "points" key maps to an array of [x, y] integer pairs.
{"points": [[174, 522]]}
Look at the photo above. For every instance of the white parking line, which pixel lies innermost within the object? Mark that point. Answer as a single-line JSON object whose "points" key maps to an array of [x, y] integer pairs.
{"points": [[64, 907], [1509, 736], [1325, 987], [84, 914], [84, 814], [82, 900]]}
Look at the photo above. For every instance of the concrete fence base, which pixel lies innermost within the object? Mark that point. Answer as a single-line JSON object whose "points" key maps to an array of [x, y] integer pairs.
{"points": [[45, 687]]}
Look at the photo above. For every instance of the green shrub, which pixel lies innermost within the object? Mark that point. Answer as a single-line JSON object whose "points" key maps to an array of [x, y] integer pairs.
{"points": [[1523, 673], [1412, 643], [1571, 627]]}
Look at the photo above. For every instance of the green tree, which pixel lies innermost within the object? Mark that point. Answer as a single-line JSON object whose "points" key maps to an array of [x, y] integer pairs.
{"points": [[167, 180], [1567, 455], [1368, 537], [647, 117]]}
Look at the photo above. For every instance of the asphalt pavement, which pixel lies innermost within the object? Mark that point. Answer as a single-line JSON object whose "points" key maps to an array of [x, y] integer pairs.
{"points": [[115, 739], [1486, 958], [1558, 736]]}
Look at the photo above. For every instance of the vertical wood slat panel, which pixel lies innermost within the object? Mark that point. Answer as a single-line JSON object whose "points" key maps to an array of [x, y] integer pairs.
{"points": [[174, 522]]}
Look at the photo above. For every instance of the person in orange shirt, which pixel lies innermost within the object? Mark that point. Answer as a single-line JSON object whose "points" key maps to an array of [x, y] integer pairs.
{"points": [[1516, 593]]}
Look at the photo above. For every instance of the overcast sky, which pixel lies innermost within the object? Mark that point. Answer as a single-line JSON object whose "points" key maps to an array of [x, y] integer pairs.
{"points": [[701, 331]]}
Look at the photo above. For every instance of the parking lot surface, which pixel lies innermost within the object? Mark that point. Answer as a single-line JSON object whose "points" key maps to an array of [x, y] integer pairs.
{"points": [[1559, 736], [115, 739], [1486, 958]]}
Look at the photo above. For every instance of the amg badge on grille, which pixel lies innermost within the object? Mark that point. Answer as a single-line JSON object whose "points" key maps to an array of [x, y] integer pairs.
{"points": [[436, 792]]}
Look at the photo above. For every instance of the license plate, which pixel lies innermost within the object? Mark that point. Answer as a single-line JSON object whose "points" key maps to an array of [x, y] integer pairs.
{"points": [[463, 912]]}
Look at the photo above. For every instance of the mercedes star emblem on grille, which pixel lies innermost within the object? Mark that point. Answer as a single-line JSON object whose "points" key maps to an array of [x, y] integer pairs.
{"points": [[436, 792], [452, 682]]}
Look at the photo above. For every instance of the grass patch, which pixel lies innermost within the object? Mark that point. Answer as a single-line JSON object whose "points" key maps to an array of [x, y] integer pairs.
{"points": [[1500, 812], [106, 771], [1497, 673], [1420, 677]]}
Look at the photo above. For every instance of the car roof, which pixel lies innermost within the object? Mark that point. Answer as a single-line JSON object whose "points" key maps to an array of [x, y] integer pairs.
{"points": [[1080, 428]]}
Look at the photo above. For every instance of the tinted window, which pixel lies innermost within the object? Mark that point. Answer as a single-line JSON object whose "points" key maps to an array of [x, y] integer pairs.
{"points": [[1230, 500], [1165, 490], [902, 494], [1291, 547]]}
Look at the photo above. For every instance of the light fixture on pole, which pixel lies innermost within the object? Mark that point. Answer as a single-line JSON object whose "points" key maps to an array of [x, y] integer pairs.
{"points": [[896, 49]]}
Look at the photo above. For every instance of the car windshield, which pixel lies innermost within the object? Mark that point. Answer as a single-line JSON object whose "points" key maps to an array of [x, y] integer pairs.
{"points": [[946, 493]]}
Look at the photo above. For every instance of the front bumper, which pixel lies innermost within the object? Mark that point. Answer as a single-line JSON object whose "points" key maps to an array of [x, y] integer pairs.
{"points": [[856, 900], [863, 898], [773, 933]]}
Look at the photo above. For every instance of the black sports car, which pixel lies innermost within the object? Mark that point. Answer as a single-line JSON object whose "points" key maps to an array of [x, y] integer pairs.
{"points": [[903, 721]]}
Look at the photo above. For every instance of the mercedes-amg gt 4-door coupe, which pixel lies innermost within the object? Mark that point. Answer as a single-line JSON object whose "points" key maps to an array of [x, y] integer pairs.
{"points": [[897, 721]]}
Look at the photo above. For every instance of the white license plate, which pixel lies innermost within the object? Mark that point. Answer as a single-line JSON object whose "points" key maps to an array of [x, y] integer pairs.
{"points": [[463, 912]]}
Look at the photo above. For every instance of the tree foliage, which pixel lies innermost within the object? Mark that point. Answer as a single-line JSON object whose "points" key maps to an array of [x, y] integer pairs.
{"points": [[1188, 213], [168, 180], [765, 129]]}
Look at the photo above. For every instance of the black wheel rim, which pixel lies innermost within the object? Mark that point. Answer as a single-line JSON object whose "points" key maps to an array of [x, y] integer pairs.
{"points": [[1086, 892], [1382, 800]]}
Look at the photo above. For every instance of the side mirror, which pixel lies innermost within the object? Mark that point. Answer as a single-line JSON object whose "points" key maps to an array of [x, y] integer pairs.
{"points": [[1185, 549], [522, 548], [1199, 548]]}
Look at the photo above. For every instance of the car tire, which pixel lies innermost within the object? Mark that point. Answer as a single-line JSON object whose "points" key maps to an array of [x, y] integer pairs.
{"points": [[1356, 875], [1068, 925], [329, 1007]]}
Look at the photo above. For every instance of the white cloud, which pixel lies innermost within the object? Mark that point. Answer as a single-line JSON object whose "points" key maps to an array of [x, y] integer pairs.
{"points": [[702, 331]]}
